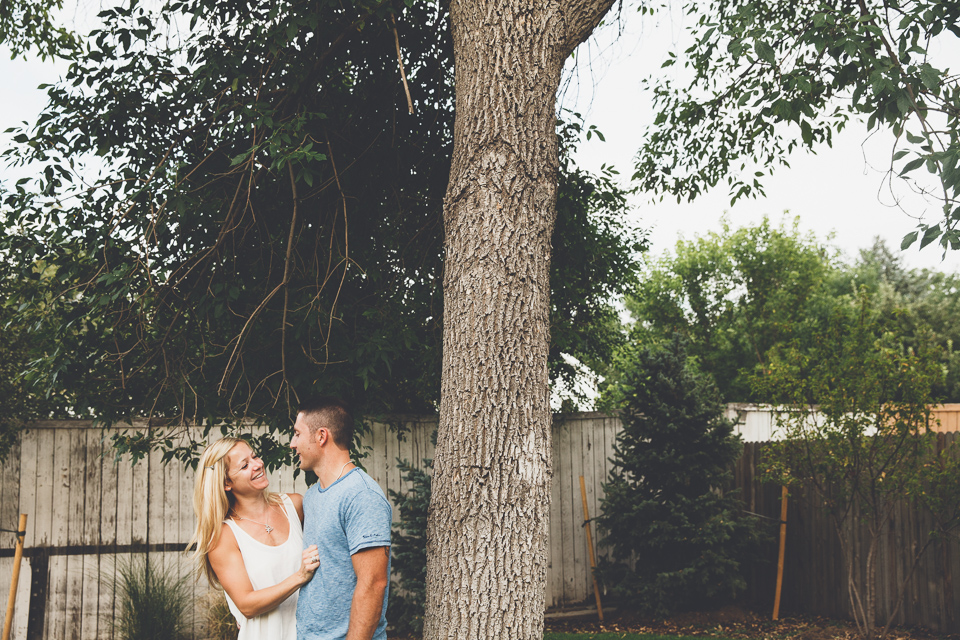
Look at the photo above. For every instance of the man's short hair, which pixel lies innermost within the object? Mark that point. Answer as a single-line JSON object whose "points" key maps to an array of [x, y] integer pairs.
{"points": [[331, 414]]}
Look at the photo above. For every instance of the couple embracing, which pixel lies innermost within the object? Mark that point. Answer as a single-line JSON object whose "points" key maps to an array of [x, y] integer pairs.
{"points": [[311, 567]]}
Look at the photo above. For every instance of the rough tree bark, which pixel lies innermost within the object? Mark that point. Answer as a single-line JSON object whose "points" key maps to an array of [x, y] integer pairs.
{"points": [[487, 528]]}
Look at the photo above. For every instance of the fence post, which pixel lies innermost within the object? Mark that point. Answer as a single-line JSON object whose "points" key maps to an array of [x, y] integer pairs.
{"points": [[783, 540], [17, 557]]}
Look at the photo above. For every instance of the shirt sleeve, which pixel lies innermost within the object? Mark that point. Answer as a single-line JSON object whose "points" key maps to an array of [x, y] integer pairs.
{"points": [[368, 519]]}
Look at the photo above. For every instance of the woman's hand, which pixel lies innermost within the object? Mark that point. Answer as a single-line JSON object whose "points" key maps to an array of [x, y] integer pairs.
{"points": [[308, 564]]}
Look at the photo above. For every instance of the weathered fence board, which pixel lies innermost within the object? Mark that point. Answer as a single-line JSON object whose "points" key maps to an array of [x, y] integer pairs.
{"points": [[815, 578], [87, 512]]}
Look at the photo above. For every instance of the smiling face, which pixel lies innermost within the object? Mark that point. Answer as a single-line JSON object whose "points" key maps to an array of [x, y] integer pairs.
{"points": [[305, 445], [245, 471]]}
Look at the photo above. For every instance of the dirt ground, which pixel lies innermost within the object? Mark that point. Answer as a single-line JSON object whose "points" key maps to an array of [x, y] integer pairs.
{"points": [[734, 622]]}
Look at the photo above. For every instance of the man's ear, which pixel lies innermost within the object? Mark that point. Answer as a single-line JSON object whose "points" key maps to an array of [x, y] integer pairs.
{"points": [[321, 435]]}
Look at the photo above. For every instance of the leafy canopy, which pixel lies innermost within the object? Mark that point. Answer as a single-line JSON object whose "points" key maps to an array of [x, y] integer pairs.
{"points": [[733, 295], [28, 26], [232, 208], [738, 295]]}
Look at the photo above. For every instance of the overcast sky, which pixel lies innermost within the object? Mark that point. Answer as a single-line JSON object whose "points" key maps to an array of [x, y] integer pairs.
{"points": [[839, 191]]}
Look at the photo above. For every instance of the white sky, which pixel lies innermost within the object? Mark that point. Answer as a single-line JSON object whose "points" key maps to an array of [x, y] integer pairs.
{"points": [[839, 191]]}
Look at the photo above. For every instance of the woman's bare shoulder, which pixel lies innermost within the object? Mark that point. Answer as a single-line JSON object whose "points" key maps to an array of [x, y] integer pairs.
{"points": [[227, 543]]}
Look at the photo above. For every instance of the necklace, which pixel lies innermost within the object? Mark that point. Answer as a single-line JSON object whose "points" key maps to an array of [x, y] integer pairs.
{"points": [[341, 470], [339, 474], [265, 526]]}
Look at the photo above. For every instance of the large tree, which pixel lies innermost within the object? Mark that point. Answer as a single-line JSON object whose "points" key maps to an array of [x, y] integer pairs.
{"points": [[274, 227], [488, 524], [266, 222], [740, 293], [734, 294]]}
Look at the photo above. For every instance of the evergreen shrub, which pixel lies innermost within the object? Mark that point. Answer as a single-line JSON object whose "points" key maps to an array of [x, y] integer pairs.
{"points": [[677, 537], [408, 594]]}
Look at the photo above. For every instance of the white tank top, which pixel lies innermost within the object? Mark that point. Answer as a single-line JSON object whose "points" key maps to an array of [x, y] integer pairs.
{"points": [[267, 566]]}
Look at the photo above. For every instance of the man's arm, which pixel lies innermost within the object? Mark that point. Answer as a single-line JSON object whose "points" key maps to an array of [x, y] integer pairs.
{"points": [[370, 565]]}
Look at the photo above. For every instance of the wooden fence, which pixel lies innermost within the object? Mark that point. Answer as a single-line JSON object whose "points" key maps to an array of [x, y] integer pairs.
{"points": [[88, 512], [815, 576]]}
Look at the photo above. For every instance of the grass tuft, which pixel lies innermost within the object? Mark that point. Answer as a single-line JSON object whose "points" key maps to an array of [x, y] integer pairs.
{"points": [[221, 625], [153, 602]]}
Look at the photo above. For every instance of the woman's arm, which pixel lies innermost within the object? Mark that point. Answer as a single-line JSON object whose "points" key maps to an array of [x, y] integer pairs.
{"points": [[297, 501], [228, 564]]}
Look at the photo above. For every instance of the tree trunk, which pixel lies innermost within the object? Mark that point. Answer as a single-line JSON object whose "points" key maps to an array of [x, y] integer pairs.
{"points": [[489, 512], [870, 579]]}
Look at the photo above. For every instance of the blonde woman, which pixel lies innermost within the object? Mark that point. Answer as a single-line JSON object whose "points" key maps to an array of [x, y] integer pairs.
{"points": [[250, 541]]}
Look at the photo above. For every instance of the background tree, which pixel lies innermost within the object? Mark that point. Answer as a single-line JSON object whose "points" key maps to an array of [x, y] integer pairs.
{"points": [[733, 295], [855, 406], [766, 77], [739, 294], [676, 533], [924, 303]]}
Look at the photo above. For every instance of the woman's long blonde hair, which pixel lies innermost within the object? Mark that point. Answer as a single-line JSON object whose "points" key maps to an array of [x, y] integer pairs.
{"points": [[212, 503]]}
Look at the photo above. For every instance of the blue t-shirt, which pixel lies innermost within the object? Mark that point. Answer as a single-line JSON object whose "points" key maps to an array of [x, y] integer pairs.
{"points": [[350, 515]]}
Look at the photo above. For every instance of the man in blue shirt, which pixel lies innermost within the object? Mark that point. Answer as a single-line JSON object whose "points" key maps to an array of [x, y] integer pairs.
{"points": [[347, 516]]}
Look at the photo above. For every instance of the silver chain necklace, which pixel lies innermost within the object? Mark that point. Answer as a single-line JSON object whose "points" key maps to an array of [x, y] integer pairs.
{"points": [[265, 526]]}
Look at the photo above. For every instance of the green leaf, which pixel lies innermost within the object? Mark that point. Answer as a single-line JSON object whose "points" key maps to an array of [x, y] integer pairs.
{"points": [[931, 234], [930, 77], [913, 164], [765, 52], [806, 132], [915, 139], [904, 104], [908, 240]]}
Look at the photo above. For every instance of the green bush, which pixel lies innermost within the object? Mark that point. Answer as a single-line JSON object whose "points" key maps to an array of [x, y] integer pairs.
{"points": [[153, 602], [408, 596], [677, 537]]}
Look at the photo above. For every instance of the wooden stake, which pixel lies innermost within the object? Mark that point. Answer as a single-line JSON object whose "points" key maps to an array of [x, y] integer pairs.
{"points": [[17, 557], [783, 541], [593, 562]]}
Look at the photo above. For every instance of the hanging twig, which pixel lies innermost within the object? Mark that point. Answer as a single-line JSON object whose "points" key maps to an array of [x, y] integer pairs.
{"points": [[346, 250], [403, 74], [286, 286]]}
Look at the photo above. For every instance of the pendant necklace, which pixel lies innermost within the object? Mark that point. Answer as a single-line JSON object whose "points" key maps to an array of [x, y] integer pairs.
{"points": [[265, 526]]}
